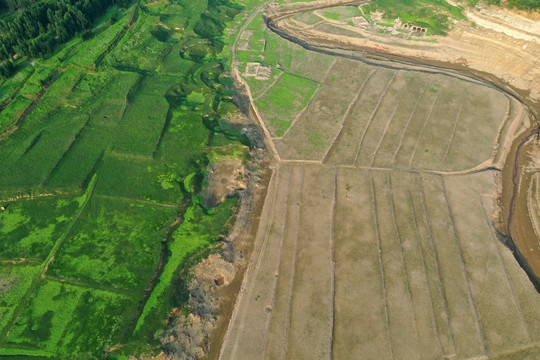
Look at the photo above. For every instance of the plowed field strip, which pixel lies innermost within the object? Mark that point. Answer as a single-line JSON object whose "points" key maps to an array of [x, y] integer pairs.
{"points": [[310, 137], [360, 314], [526, 295], [464, 268], [383, 278], [346, 116], [401, 82], [403, 332], [422, 130], [505, 268], [310, 100], [398, 102], [430, 290], [463, 319], [359, 147], [400, 241], [135, 200], [86, 285], [485, 272], [414, 265], [269, 87], [276, 343], [311, 307], [343, 151], [413, 112], [455, 126], [431, 256]]}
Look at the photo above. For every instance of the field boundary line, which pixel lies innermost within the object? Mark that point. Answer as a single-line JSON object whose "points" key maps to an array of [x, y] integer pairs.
{"points": [[381, 267], [129, 156], [321, 84], [20, 261], [402, 252], [458, 116], [80, 284], [346, 115], [10, 130], [70, 147], [464, 269], [333, 260], [375, 110], [297, 117], [428, 283], [374, 154], [423, 128], [504, 124], [530, 209], [125, 198], [437, 261], [270, 86], [487, 165], [512, 128], [413, 112], [30, 197], [512, 290], [299, 161], [534, 345]]}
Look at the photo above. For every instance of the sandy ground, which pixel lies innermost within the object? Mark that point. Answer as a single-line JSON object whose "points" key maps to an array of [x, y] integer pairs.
{"points": [[378, 242], [493, 41]]}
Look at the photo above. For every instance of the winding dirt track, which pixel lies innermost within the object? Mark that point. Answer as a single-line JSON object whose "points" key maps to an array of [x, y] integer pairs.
{"points": [[379, 243]]}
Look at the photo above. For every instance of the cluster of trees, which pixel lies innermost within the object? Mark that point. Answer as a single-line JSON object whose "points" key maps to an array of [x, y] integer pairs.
{"points": [[525, 4], [41, 25], [16, 4]]}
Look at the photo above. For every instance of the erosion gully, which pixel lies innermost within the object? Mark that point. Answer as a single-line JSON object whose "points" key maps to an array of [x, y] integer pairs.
{"points": [[517, 231]]}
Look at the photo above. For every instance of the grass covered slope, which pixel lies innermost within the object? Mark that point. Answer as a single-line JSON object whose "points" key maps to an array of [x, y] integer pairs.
{"points": [[435, 15], [96, 142]]}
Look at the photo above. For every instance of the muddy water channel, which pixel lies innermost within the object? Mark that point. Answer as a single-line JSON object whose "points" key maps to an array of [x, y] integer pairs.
{"points": [[517, 214]]}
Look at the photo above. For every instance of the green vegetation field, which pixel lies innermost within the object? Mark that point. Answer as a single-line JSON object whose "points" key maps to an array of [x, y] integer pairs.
{"points": [[295, 76], [435, 15], [96, 144]]}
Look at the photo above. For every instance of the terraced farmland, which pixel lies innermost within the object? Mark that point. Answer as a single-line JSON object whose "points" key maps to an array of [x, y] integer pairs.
{"points": [[96, 218], [376, 239]]}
